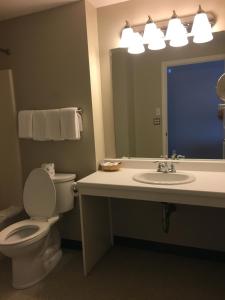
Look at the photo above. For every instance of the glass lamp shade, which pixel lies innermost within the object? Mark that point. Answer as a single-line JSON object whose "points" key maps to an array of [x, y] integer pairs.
{"points": [[175, 28], [126, 37], [157, 41], [180, 41], [180, 38], [176, 33], [136, 46], [149, 32], [201, 29]]}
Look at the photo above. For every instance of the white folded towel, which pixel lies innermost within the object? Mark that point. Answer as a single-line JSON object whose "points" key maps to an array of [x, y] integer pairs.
{"points": [[70, 128], [39, 125], [53, 131], [25, 124]]}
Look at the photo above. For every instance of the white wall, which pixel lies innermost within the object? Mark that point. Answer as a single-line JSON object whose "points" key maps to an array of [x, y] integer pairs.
{"points": [[95, 80], [11, 172], [50, 65]]}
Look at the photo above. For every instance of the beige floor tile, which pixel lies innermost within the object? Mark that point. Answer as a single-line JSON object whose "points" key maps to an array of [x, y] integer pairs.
{"points": [[124, 274]]}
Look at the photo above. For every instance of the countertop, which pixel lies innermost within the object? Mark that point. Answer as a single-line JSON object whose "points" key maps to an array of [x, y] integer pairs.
{"points": [[208, 189]]}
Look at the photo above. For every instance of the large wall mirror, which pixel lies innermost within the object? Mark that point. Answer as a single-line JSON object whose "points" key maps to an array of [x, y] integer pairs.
{"points": [[165, 101]]}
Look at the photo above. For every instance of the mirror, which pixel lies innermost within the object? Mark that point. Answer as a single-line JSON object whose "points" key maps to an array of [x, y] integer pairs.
{"points": [[165, 101]]}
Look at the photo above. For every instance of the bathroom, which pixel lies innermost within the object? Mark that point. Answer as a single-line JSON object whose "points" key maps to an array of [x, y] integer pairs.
{"points": [[60, 57]]}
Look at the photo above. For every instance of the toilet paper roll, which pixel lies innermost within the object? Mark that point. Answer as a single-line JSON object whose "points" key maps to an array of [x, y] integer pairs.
{"points": [[49, 167]]}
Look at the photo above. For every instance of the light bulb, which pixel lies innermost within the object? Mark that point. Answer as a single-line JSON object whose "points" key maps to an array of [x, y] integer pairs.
{"points": [[149, 31], [201, 29], [176, 32], [180, 38], [173, 24], [126, 36], [157, 42], [136, 46]]}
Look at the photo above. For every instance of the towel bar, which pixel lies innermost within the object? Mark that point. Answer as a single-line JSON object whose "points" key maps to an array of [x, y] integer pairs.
{"points": [[79, 110]]}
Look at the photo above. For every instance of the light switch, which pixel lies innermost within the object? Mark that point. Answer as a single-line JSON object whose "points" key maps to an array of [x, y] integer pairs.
{"points": [[157, 111]]}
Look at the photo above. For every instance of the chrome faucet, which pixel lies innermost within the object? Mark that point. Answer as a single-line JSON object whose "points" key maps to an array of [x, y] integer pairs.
{"points": [[164, 167], [176, 156]]}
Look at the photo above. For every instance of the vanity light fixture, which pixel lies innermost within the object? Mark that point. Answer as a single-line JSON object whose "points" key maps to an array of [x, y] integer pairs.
{"points": [[126, 36], [201, 29], [177, 32]]}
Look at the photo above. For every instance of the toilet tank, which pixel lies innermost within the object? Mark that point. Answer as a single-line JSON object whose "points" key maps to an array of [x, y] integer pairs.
{"points": [[64, 185]]}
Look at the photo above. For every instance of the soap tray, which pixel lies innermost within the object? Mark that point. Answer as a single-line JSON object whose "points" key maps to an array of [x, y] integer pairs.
{"points": [[108, 166]]}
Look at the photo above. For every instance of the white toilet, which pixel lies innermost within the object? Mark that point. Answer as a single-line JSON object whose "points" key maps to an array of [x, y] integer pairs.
{"points": [[34, 244]]}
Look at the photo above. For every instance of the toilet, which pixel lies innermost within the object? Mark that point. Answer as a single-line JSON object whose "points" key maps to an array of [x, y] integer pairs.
{"points": [[34, 243]]}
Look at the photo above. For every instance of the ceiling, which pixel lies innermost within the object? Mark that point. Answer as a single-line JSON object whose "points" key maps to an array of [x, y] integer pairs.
{"points": [[100, 3], [15, 8]]}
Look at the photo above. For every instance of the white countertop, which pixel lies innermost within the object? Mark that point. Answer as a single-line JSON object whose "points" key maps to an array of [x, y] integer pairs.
{"points": [[208, 189]]}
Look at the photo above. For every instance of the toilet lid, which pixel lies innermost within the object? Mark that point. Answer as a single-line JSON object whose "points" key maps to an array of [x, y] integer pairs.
{"points": [[39, 195]]}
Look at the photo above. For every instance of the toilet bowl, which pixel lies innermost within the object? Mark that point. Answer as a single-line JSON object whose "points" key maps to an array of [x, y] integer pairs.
{"points": [[10, 215], [34, 244]]}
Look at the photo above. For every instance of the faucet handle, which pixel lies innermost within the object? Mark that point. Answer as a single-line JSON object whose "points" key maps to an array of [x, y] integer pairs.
{"points": [[172, 166], [164, 156], [160, 165]]}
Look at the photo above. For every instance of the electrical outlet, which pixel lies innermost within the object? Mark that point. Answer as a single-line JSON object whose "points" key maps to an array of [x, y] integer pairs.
{"points": [[156, 121]]}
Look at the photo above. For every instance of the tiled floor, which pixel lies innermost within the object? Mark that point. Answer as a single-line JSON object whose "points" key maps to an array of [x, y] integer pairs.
{"points": [[124, 274]]}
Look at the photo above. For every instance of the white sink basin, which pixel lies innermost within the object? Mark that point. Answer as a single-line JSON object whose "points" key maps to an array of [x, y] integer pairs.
{"points": [[163, 178]]}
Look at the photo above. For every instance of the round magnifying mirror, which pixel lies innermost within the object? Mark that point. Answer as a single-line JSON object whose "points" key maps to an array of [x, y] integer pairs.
{"points": [[220, 87]]}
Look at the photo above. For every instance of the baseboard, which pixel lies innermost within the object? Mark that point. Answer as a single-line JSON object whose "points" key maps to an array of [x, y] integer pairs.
{"points": [[170, 248], [156, 247]]}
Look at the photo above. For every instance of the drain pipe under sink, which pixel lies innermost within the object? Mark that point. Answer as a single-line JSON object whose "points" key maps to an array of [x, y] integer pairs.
{"points": [[167, 210]]}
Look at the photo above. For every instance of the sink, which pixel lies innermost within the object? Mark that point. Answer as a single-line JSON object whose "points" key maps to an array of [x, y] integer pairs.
{"points": [[164, 178]]}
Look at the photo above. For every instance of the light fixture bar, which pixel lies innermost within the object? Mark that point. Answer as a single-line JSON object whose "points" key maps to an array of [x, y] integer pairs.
{"points": [[175, 30], [187, 21]]}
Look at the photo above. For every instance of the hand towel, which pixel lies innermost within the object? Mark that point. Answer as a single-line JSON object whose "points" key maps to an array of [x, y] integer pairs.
{"points": [[70, 129], [53, 131], [39, 125], [25, 124]]}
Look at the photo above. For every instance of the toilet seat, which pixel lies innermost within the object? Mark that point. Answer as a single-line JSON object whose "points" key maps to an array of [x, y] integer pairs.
{"points": [[24, 232], [39, 195]]}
